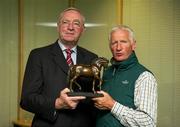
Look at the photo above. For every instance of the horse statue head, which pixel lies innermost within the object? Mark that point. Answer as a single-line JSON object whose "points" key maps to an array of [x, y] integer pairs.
{"points": [[100, 62], [93, 71]]}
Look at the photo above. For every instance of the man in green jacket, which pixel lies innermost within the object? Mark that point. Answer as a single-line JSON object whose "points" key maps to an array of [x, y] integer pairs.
{"points": [[129, 89]]}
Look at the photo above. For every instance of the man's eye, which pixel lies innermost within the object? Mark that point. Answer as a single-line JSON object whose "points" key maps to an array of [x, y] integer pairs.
{"points": [[77, 24], [64, 22], [113, 43]]}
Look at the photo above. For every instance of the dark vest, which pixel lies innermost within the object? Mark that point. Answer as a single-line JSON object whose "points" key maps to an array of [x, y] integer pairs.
{"points": [[119, 81]]}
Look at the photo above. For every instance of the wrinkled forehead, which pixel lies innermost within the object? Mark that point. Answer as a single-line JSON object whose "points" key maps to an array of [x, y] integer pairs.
{"points": [[119, 33]]}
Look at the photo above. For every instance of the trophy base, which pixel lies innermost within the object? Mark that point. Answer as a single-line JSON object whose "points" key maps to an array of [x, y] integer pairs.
{"points": [[86, 94]]}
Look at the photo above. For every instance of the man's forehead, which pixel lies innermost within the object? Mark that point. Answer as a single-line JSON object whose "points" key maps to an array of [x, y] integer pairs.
{"points": [[72, 12], [72, 15]]}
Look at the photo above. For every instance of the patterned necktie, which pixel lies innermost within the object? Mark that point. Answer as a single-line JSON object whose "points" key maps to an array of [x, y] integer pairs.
{"points": [[68, 58]]}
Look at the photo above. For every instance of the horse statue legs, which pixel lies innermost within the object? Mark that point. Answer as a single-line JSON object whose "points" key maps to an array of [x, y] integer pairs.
{"points": [[73, 80], [100, 82]]}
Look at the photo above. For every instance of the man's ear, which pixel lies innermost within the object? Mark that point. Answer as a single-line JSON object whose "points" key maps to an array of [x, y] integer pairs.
{"points": [[134, 46], [84, 29], [57, 27]]}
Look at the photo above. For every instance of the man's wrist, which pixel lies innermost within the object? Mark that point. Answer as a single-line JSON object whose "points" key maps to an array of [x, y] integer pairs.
{"points": [[58, 103]]}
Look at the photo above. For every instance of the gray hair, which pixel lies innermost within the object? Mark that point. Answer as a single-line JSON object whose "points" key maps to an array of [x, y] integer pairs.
{"points": [[69, 9], [123, 27]]}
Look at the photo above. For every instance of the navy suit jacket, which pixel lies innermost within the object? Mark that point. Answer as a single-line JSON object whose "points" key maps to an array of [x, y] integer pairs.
{"points": [[45, 76]]}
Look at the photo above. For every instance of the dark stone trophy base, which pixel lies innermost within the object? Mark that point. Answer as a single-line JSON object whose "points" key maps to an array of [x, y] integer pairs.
{"points": [[86, 94]]}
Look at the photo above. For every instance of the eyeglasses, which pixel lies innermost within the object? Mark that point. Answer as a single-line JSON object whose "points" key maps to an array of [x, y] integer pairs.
{"points": [[74, 23]]}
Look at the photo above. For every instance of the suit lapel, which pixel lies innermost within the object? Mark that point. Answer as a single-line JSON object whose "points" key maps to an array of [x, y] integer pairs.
{"points": [[80, 56], [60, 60], [59, 57]]}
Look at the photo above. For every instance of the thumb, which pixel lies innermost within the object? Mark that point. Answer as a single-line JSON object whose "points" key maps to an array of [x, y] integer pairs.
{"points": [[66, 90]]}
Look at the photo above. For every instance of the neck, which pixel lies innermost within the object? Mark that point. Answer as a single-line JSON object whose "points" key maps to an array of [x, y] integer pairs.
{"points": [[67, 44]]}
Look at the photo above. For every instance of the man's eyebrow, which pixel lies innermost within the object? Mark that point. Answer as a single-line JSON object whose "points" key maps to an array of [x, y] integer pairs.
{"points": [[77, 20], [123, 41]]}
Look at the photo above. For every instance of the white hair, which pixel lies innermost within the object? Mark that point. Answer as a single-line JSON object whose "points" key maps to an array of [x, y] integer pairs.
{"points": [[69, 9], [123, 27]]}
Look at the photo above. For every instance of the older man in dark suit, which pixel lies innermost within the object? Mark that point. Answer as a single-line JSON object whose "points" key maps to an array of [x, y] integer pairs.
{"points": [[44, 91]]}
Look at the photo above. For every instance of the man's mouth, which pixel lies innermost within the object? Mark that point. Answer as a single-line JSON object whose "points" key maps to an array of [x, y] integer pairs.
{"points": [[119, 54], [69, 33]]}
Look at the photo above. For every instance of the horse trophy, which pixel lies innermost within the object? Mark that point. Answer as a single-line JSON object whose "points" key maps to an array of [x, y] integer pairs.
{"points": [[92, 73]]}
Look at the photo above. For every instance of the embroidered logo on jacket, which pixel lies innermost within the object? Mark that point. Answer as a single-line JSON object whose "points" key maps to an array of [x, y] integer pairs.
{"points": [[125, 82]]}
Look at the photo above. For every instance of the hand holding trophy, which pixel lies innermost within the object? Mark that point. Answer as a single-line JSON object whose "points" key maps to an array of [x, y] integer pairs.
{"points": [[85, 80]]}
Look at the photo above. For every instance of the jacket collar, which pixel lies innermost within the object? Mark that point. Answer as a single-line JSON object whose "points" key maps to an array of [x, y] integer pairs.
{"points": [[59, 57], [132, 60]]}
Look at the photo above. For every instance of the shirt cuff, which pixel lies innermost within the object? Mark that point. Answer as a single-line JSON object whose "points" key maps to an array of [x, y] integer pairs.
{"points": [[117, 109]]}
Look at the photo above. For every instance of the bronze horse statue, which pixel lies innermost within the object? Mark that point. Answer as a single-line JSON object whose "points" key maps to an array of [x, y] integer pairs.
{"points": [[93, 70]]}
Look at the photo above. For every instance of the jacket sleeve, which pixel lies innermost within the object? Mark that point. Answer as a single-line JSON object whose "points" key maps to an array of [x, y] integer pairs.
{"points": [[32, 98]]}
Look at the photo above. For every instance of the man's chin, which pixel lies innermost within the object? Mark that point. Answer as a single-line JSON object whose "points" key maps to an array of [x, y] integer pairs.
{"points": [[70, 39], [70, 42], [119, 58]]}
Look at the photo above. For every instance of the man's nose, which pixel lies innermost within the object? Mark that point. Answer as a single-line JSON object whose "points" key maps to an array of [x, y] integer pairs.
{"points": [[119, 46], [70, 26]]}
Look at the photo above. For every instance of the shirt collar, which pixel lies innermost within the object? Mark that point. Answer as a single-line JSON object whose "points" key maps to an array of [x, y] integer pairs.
{"points": [[74, 49]]}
